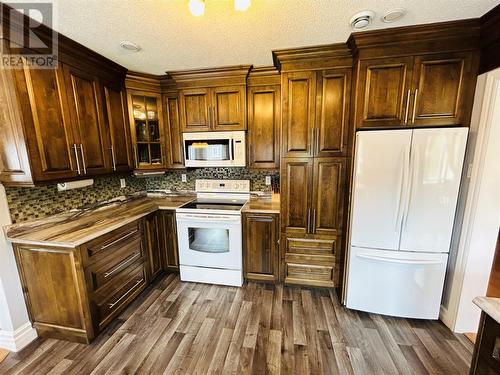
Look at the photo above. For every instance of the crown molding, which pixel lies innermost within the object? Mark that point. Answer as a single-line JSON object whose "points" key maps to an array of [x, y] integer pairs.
{"points": [[490, 40]]}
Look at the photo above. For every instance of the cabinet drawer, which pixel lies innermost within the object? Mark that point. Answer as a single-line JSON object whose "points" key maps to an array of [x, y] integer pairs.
{"points": [[101, 273], [107, 244], [114, 297], [304, 246], [308, 274]]}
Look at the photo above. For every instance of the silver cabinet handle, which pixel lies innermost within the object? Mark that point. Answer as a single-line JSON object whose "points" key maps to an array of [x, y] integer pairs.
{"points": [[313, 230], [119, 239], [113, 157], [77, 159], [83, 159], [135, 155], [123, 263], [111, 305], [308, 220], [414, 106], [407, 106]]}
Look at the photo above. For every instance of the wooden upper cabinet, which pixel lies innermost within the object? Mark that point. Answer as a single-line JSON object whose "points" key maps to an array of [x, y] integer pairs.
{"points": [[118, 127], [296, 177], [334, 89], [49, 133], [175, 157], [264, 108], [195, 109], [328, 191], [147, 130], [87, 117], [228, 108], [299, 94], [384, 92], [260, 247], [440, 85]]}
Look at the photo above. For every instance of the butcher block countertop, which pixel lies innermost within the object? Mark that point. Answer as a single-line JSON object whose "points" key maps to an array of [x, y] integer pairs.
{"points": [[490, 306], [74, 228], [263, 205]]}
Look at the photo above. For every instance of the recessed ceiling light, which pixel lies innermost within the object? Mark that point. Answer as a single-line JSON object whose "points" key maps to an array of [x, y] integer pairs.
{"points": [[197, 7], [393, 15], [362, 19], [242, 5], [129, 46]]}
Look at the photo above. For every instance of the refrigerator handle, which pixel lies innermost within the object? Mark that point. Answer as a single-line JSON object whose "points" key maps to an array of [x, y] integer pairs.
{"points": [[402, 188], [414, 175], [397, 260]]}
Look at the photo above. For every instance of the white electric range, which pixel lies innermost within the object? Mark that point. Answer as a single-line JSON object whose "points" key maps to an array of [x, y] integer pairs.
{"points": [[209, 233]]}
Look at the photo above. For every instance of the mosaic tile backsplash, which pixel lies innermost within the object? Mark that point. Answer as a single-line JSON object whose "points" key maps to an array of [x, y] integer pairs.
{"points": [[33, 203]]}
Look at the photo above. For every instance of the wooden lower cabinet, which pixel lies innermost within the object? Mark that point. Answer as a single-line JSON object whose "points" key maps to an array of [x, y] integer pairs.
{"points": [[261, 247], [168, 240], [311, 260], [73, 293]]}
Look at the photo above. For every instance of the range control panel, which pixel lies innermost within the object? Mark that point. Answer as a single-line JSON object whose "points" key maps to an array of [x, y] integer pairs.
{"points": [[222, 186]]}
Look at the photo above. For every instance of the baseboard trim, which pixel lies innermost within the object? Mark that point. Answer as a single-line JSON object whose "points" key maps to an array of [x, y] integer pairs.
{"points": [[18, 339]]}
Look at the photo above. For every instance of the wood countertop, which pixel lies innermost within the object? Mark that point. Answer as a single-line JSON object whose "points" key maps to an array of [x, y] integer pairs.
{"points": [[74, 228], [263, 205], [490, 306]]}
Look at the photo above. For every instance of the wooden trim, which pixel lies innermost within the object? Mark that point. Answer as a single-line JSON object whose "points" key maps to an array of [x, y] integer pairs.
{"points": [[490, 40]]}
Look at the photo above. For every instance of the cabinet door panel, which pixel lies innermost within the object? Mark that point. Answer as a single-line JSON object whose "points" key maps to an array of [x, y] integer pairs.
{"points": [[383, 98], [168, 237], [441, 82], [174, 147], [152, 244], [296, 197], [118, 128], [50, 134], [264, 126], [194, 110], [334, 88], [86, 105], [228, 108], [260, 235], [298, 113], [328, 193]]}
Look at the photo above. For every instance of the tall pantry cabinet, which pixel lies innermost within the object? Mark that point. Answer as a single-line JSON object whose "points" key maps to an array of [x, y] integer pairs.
{"points": [[315, 118]]}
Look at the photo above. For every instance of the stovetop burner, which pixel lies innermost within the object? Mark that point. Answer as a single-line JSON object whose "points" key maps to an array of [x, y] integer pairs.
{"points": [[203, 204]]}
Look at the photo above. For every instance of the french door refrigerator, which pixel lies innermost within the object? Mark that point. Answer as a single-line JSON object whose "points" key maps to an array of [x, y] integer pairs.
{"points": [[405, 190]]}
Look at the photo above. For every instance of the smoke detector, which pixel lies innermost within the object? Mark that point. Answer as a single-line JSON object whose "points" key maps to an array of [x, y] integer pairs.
{"points": [[130, 46], [393, 15], [362, 19]]}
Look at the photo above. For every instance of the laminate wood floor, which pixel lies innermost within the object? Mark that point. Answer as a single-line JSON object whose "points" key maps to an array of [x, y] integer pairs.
{"points": [[177, 327]]}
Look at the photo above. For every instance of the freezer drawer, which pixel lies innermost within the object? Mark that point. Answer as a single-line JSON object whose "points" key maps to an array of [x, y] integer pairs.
{"points": [[396, 283]]}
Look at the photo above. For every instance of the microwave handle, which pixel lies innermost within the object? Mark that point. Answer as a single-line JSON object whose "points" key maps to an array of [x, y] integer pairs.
{"points": [[231, 147]]}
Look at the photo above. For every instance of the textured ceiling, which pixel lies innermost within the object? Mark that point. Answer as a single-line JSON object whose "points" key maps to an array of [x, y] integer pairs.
{"points": [[171, 38]]}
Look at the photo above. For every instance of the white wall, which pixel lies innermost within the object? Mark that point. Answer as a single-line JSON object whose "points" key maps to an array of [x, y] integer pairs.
{"points": [[469, 273], [15, 328]]}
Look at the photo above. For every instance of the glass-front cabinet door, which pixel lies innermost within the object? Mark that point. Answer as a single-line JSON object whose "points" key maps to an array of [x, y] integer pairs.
{"points": [[147, 130]]}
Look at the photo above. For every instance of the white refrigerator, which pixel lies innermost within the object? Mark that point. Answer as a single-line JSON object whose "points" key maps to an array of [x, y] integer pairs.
{"points": [[405, 190]]}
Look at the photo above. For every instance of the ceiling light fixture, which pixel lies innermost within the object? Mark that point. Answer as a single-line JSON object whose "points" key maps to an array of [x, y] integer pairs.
{"points": [[197, 7], [362, 19], [393, 15], [130, 46], [242, 5]]}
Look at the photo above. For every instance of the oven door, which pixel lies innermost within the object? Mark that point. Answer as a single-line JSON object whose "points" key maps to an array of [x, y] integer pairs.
{"points": [[209, 240]]}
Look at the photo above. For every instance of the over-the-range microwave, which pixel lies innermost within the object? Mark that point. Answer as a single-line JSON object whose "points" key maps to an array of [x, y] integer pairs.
{"points": [[214, 149]]}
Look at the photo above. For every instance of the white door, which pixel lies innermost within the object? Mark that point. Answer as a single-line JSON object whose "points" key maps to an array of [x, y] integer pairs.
{"points": [[437, 157], [396, 283], [380, 175], [209, 240]]}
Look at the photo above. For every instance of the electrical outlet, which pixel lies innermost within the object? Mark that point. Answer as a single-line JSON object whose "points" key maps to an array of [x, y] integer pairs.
{"points": [[268, 180], [122, 183], [184, 177]]}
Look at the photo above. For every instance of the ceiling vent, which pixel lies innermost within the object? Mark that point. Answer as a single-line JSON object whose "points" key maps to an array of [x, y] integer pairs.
{"points": [[362, 19]]}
